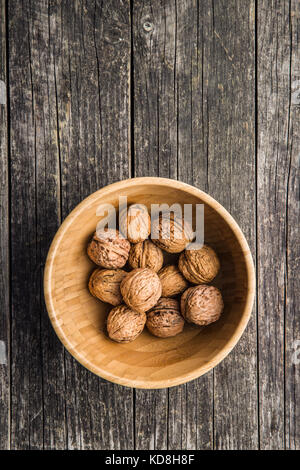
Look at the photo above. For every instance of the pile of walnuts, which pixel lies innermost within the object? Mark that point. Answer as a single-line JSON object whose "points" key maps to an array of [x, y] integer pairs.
{"points": [[145, 292]]}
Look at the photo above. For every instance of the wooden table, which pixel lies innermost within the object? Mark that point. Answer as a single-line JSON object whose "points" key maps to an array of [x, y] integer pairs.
{"points": [[207, 92]]}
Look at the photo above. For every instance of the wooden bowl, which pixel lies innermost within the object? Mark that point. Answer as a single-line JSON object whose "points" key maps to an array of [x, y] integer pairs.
{"points": [[148, 362]]}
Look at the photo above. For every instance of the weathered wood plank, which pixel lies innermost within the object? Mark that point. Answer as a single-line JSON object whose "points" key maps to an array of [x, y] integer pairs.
{"points": [[154, 135], [155, 100], [4, 242], [215, 76], [229, 116], [191, 405], [186, 81], [92, 44], [154, 132], [292, 215], [278, 211], [171, 418], [69, 73], [47, 180], [194, 120], [38, 398], [27, 370]]}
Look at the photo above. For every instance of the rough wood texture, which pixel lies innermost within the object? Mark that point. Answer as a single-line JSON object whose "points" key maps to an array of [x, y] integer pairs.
{"points": [[26, 348], [277, 217], [159, 36], [193, 96], [292, 281], [4, 242], [194, 119], [37, 356], [229, 117], [153, 28], [59, 75], [92, 50]]}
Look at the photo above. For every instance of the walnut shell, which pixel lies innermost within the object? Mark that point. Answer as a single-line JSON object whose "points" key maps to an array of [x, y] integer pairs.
{"points": [[164, 320], [202, 305], [141, 289], [135, 223], [168, 233], [124, 324], [105, 285], [199, 266], [172, 281], [146, 255], [108, 250]]}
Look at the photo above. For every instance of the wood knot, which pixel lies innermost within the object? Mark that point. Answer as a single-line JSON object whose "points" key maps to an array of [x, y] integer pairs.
{"points": [[148, 26]]}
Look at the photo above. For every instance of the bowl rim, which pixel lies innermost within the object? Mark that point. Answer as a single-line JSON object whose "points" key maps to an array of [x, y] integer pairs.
{"points": [[226, 349]]}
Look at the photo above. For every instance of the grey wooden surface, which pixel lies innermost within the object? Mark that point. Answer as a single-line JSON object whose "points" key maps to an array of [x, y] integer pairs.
{"points": [[207, 92]]}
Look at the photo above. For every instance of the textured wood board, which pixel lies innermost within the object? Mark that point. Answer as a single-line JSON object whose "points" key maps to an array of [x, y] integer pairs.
{"points": [[194, 119], [292, 328], [37, 385], [277, 219], [69, 74], [4, 241], [92, 75], [206, 92], [229, 71]]}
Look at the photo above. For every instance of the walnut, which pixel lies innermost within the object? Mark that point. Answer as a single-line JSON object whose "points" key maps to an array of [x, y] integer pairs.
{"points": [[146, 255], [124, 324], [105, 285], [164, 320], [135, 223], [199, 266], [172, 281], [202, 305], [108, 249], [168, 232], [141, 289]]}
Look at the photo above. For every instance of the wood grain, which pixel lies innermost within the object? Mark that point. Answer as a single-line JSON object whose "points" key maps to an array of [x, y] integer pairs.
{"points": [[37, 356], [4, 242], [192, 417], [26, 348], [192, 405], [278, 152], [92, 50], [59, 74], [292, 281], [193, 97], [154, 131], [193, 102], [229, 119]]}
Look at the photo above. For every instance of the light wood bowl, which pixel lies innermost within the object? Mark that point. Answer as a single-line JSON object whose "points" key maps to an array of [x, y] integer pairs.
{"points": [[148, 362]]}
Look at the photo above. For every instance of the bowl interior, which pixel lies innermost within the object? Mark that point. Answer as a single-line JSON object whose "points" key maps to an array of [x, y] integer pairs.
{"points": [[148, 362]]}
